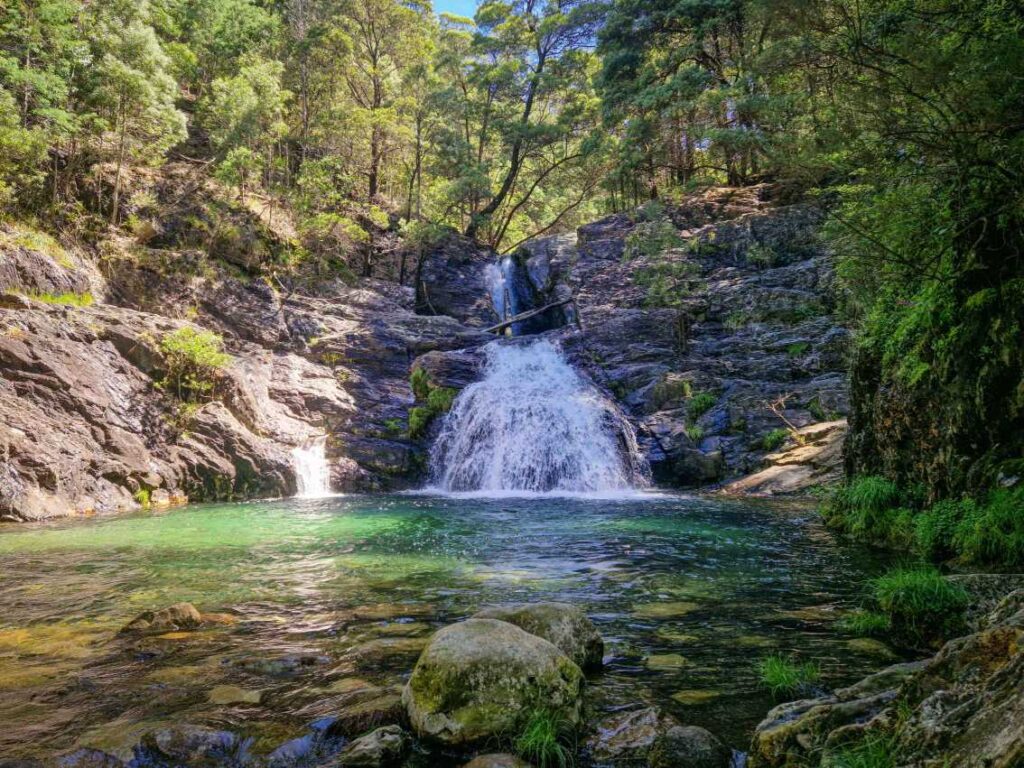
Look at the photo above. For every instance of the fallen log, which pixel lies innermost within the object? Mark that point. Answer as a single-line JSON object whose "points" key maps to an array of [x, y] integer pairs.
{"points": [[527, 315]]}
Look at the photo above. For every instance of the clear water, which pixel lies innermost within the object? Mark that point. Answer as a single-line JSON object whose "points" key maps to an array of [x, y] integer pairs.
{"points": [[317, 582], [533, 423]]}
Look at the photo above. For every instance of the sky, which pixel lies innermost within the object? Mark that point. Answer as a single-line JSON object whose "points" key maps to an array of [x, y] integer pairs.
{"points": [[458, 7]]}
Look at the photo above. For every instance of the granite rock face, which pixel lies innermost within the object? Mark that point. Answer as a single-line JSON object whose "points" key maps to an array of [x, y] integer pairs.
{"points": [[86, 427]]}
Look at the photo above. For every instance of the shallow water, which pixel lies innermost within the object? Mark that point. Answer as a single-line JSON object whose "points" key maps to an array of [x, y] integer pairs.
{"points": [[331, 589]]}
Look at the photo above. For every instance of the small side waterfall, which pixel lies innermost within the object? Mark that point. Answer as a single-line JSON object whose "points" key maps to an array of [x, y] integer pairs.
{"points": [[534, 424], [312, 474]]}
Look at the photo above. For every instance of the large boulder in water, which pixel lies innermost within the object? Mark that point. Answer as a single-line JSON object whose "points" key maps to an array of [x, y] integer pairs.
{"points": [[479, 680], [564, 626]]}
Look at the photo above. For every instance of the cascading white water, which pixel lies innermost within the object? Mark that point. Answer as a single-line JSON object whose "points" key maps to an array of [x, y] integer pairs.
{"points": [[534, 424], [312, 474]]}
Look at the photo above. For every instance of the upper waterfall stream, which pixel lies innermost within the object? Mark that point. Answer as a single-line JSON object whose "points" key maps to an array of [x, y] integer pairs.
{"points": [[533, 424]]}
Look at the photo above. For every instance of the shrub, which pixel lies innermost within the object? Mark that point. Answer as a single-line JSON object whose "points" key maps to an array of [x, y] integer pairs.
{"points": [[440, 399], [774, 439], [993, 533], [935, 529], [544, 739], [419, 380], [920, 603], [193, 359], [700, 404], [649, 238], [784, 677], [419, 420], [865, 623]]}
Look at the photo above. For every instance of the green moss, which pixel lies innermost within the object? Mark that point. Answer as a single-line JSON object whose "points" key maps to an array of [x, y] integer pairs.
{"points": [[783, 676], [393, 426], [67, 299], [545, 740], [773, 439], [798, 348], [920, 603], [700, 404]]}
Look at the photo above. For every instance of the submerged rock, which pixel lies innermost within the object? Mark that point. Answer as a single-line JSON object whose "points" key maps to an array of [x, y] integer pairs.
{"points": [[564, 626], [374, 708], [382, 747], [496, 760], [180, 616], [479, 679], [688, 746], [192, 745]]}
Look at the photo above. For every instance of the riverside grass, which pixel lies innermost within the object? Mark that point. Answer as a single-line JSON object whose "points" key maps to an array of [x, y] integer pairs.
{"points": [[546, 740], [784, 676]]}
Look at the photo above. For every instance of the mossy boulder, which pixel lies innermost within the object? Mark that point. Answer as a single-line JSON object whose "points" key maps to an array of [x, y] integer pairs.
{"points": [[564, 626], [478, 680]]}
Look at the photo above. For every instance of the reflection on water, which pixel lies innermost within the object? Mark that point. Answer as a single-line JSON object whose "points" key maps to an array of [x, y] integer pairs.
{"points": [[327, 593]]}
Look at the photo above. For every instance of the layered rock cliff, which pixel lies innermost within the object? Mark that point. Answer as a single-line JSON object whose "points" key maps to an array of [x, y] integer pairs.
{"points": [[712, 370]]}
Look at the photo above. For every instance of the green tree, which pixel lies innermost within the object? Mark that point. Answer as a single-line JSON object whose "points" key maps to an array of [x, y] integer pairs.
{"points": [[130, 87]]}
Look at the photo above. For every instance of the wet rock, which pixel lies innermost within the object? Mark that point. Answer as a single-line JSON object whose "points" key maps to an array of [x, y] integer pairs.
{"points": [[628, 737], [479, 678], [88, 758], [496, 760], [794, 731], [453, 281], [192, 745], [373, 709], [232, 694], [382, 747], [688, 747], [564, 626], [180, 616]]}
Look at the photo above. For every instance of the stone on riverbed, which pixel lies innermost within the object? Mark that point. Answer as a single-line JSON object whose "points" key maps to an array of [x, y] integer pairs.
{"points": [[496, 760], [652, 738], [479, 679], [191, 745], [564, 626], [382, 747], [375, 708], [172, 618]]}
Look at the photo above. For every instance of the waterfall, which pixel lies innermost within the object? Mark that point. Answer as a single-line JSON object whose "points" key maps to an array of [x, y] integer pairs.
{"points": [[534, 424], [312, 475]]}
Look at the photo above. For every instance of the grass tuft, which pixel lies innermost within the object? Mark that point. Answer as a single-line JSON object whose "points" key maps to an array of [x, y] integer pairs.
{"points": [[700, 404], [873, 752], [774, 439], [545, 740], [865, 623], [920, 603], [783, 676]]}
